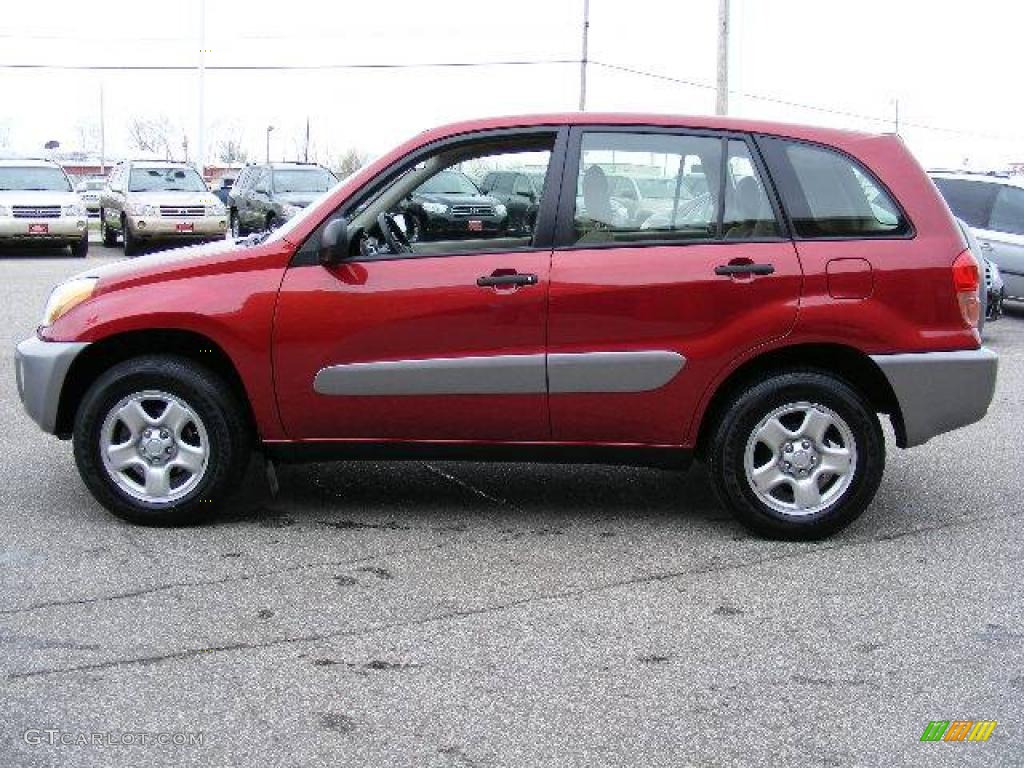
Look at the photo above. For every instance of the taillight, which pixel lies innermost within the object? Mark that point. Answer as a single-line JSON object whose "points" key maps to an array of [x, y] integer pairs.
{"points": [[966, 280]]}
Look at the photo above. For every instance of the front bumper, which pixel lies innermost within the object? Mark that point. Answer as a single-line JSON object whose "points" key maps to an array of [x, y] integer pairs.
{"points": [[939, 391], [166, 227], [65, 229], [40, 368]]}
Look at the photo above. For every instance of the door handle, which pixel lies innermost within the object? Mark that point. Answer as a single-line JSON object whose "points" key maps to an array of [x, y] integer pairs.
{"points": [[513, 280], [986, 245], [744, 269]]}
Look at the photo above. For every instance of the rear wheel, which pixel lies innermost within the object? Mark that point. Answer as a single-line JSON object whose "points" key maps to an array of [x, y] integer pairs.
{"points": [[80, 249], [159, 441], [798, 456], [109, 235]]}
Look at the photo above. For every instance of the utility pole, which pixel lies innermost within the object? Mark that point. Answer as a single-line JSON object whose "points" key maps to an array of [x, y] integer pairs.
{"points": [[722, 80], [306, 153], [583, 57], [201, 144], [103, 136], [896, 104], [269, 129]]}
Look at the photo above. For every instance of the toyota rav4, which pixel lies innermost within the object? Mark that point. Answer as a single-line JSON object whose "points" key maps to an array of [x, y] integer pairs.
{"points": [[820, 282]]}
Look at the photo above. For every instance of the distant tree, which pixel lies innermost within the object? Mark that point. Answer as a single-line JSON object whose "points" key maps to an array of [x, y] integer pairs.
{"points": [[155, 134], [228, 146], [348, 162]]}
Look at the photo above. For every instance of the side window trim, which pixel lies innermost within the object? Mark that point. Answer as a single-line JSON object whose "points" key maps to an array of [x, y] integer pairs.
{"points": [[786, 168], [565, 235]]}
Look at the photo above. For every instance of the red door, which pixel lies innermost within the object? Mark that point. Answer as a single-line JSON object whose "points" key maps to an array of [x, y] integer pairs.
{"points": [[415, 349]]}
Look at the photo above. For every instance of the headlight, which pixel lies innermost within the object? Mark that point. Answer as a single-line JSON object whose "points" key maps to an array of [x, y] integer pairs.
{"points": [[500, 210], [141, 209], [73, 210], [217, 209], [5, 210], [66, 296], [435, 208]]}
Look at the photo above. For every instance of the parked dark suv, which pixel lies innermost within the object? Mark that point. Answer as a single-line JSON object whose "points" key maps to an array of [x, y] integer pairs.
{"points": [[265, 196], [449, 206], [519, 192]]}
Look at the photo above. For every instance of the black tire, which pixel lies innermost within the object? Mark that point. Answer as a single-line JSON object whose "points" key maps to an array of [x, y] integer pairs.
{"points": [[80, 249], [235, 224], [109, 235], [729, 442], [226, 428], [272, 223], [131, 243]]}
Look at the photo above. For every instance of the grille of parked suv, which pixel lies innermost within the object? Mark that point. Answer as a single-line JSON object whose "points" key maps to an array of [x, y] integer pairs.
{"points": [[178, 211], [36, 211], [472, 210]]}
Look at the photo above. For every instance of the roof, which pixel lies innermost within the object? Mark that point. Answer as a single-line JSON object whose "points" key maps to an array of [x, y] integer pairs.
{"points": [[984, 178], [27, 162], [710, 122]]}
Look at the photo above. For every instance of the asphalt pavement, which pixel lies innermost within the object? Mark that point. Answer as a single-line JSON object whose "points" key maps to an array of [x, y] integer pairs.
{"points": [[446, 614]]}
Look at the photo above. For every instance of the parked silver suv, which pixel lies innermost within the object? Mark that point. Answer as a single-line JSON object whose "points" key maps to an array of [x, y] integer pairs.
{"points": [[150, 200], [37, 203], [993, 207]]}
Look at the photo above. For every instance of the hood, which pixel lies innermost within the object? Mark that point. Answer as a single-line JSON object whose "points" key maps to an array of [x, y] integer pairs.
{"points": [[299, 199], [164, 264], [31, 197], [164, 197], [454, 199]]}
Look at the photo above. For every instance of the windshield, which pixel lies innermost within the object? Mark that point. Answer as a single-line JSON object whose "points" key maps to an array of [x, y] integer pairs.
{"points": [[171, 179], [448, 183], [303, 180], [659, 189], [34, 178]]}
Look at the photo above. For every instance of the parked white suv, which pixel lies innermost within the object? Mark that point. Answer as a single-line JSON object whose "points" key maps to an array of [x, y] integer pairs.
{"points": [[38, 204], [993, 207]]}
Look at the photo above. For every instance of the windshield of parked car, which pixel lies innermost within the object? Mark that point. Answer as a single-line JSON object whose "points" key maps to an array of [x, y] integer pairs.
{"points": [[34, 178], [171, 179], [303, 180], [448, 183]]}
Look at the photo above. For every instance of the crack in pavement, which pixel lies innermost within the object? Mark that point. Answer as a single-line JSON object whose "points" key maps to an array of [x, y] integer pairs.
{"points": [[471, 488], [497, 608]]}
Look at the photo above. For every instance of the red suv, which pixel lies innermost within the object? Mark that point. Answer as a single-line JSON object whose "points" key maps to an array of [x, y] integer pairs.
{"points": [[793, 284]]}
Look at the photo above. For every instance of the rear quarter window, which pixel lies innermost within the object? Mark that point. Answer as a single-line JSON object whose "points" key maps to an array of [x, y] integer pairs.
{"points": [[969, 200], [829, 195]]}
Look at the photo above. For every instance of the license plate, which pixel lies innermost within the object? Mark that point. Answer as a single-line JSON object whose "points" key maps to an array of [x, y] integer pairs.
{"points": [[38, 229], [185, 227], [475, 225]]}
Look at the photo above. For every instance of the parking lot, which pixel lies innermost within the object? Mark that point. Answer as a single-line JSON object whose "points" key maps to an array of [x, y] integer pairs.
{"points": [[436, 614]]}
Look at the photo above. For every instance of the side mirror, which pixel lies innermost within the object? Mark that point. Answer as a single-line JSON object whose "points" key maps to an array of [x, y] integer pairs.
{"points": [[334, 242]]}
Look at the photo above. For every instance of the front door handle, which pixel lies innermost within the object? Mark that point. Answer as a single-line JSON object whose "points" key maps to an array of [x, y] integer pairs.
{"points": [[513, 280], [744, 269]]}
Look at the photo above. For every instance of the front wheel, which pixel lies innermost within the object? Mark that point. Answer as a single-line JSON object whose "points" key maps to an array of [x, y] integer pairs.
{"points": [[80, 248], [109, 236], [159, 441], [131, 243], [797, 456]]}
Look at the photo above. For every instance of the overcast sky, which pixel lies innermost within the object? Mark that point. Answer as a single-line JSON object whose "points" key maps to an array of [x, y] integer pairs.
{"points": [[955, 72]]}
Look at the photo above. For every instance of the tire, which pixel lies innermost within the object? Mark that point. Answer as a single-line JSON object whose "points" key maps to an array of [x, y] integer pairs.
{"points": [[206, 438], [776, 481], [109, 235], [131, 243], [272, 223], [235, 225], [81, 249]]}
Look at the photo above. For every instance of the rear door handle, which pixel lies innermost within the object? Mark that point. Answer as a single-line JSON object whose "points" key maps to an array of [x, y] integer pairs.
{"points": [[515, 280], [744, 269]]}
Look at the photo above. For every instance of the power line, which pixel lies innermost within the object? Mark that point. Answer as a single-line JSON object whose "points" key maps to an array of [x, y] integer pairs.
{"points": [[286, 67], [800, 105]]}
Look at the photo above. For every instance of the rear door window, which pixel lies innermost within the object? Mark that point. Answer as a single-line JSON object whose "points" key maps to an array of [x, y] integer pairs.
{"points": [[969, 200], [829, 195], [1008, 210]]}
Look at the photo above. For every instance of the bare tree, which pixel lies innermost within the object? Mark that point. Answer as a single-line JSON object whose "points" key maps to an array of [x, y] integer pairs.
{"points": [[156, 134], [348, 162], [229, 146]]}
